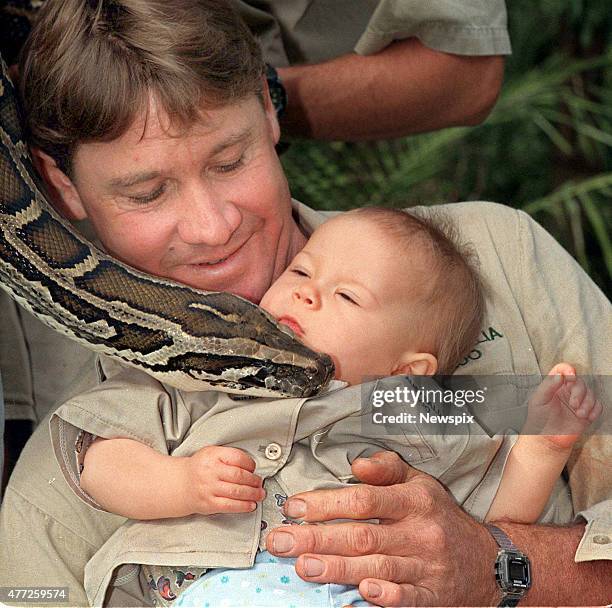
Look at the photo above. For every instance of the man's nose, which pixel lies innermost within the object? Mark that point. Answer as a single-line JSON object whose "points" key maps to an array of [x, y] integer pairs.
{"points": [[207, 218], [308, 295]]}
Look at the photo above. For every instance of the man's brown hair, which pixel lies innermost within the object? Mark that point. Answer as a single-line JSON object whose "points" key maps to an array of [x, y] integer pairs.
{"points": [[447, 309], [90, 66]]}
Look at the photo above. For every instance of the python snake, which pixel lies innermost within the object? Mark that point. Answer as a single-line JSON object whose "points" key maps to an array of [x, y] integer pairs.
{"points": [[189, 339]]}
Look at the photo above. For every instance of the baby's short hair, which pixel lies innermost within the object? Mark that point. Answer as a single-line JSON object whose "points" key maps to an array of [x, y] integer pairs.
{"points": [[447, 311]]}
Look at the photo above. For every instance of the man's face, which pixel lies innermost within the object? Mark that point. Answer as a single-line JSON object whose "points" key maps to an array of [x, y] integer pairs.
{"points": [[348, 293], [207, 206]]}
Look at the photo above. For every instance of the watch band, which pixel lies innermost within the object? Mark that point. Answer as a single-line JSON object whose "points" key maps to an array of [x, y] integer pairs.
{"points": [[509, 599], [279, 98], [501, 538], [278, 94]]}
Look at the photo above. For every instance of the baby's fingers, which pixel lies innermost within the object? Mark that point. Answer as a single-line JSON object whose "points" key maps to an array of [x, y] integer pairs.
{"points": [[240, 476], [220, 504], [238, 492], [236, 457]]}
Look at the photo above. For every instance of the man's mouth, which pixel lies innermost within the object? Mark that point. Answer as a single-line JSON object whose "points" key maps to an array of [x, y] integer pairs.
{"points": [[221, 260], [214, 262], [293, 325]]}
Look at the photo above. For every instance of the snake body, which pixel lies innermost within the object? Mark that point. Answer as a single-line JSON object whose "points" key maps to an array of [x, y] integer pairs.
{"points": [[190, 339]]}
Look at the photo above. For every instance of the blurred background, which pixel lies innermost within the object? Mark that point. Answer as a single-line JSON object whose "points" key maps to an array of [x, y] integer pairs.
{"points": [[546, 148]]}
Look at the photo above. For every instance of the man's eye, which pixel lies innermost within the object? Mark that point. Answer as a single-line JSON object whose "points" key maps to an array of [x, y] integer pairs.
{"points": [[149, 198], [230, 166], [348, 298]]}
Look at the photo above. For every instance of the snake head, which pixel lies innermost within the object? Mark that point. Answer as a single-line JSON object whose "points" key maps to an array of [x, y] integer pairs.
{"points": [[300, 381]]}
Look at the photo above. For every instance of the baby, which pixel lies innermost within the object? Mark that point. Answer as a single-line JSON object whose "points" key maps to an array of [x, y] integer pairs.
{"points": [[347, 294], [383, 293]]}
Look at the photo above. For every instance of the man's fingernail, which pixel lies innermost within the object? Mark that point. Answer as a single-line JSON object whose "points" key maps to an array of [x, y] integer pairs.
{"points": [[282, 542], [313, 567], [374, 590], [295, 508]]}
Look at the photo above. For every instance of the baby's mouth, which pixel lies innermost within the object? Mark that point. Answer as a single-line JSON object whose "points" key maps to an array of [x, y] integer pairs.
{"points": [[293, 325]]}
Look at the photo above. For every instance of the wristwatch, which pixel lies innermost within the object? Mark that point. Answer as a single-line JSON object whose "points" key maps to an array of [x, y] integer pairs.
{"points": [[277, 90], [512, 569]]}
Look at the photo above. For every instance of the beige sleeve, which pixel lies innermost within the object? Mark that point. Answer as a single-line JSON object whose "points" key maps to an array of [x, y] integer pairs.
{"points": [[130, 404], [569, 319], [597, 540], [462, 27]]}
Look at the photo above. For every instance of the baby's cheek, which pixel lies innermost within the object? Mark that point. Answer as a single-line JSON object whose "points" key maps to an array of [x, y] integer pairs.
{"points": [[357, 363], [267, 302]]}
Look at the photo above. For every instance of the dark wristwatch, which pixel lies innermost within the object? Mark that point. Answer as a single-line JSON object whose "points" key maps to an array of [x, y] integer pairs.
{"points": [[512, 569], [277, 91]]}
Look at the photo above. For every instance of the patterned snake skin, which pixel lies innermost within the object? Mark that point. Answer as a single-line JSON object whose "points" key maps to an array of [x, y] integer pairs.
{"points": [[189, 339]]}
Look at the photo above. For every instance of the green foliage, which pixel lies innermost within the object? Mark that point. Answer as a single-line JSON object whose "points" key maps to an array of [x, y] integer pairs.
{"points": [[544, 149]]}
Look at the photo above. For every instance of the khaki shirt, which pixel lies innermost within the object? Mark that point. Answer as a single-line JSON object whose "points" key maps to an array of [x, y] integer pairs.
{"points": [[300, 31], [541, 309]]}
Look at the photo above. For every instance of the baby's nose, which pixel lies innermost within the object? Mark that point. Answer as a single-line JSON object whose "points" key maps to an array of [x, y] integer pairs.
{"points": [[307, 295]]}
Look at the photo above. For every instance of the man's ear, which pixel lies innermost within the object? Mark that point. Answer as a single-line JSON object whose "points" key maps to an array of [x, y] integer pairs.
{"points": [[270, 112], [65, 197], [416, 364]]}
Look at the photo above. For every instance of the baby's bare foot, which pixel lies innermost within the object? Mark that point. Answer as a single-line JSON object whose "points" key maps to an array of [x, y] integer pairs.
{"points": [[562, 407]]}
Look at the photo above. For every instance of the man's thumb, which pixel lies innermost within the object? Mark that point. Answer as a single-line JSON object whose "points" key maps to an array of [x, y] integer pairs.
{"points": [[382, 469]]}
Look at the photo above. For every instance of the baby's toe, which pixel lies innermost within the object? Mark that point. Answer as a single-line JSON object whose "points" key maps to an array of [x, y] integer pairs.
{"points": [[562, 369], [595, 412], [577, 395]]}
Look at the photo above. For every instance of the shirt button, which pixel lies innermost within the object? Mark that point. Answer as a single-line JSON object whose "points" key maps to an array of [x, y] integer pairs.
{"points": [[273, 451], [601, 539]]}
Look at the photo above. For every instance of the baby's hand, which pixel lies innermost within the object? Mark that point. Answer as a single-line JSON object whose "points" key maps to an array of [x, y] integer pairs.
{"points": [[562, 407], [221, 480]]}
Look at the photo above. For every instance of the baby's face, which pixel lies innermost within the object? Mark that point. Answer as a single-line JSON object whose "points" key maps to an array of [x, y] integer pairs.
{"points": [[346, 294]]}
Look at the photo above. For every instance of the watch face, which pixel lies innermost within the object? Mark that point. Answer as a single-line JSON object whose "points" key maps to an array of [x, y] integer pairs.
{"points": [[514, 571], [518, 571]]}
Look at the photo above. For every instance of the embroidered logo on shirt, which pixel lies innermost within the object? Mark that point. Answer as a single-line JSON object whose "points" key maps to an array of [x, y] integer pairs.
{"points": [[487, 335]]}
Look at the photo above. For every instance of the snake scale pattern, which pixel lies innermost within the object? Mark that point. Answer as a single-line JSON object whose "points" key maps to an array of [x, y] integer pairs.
{"points": [[189, 339]]}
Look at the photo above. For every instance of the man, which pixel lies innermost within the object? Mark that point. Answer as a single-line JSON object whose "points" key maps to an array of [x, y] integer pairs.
{"points": [[173, 162]]}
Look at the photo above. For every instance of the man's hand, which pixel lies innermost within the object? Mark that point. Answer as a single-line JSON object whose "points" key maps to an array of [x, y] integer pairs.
{"points": [[426, 551], [221, 480]]}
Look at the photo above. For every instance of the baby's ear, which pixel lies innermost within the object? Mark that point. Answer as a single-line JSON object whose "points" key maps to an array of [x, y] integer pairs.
{"points": [[416, 364]]}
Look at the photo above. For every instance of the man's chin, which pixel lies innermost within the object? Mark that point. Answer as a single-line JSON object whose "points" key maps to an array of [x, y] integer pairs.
{"points": [[248, 292]]}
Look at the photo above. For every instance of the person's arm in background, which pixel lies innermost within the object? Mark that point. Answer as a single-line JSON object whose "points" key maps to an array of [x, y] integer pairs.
{"points": [[405, 88]]}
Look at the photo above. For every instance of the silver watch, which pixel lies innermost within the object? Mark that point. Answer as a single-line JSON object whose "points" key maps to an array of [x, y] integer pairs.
{"points": [[512, 568]]}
